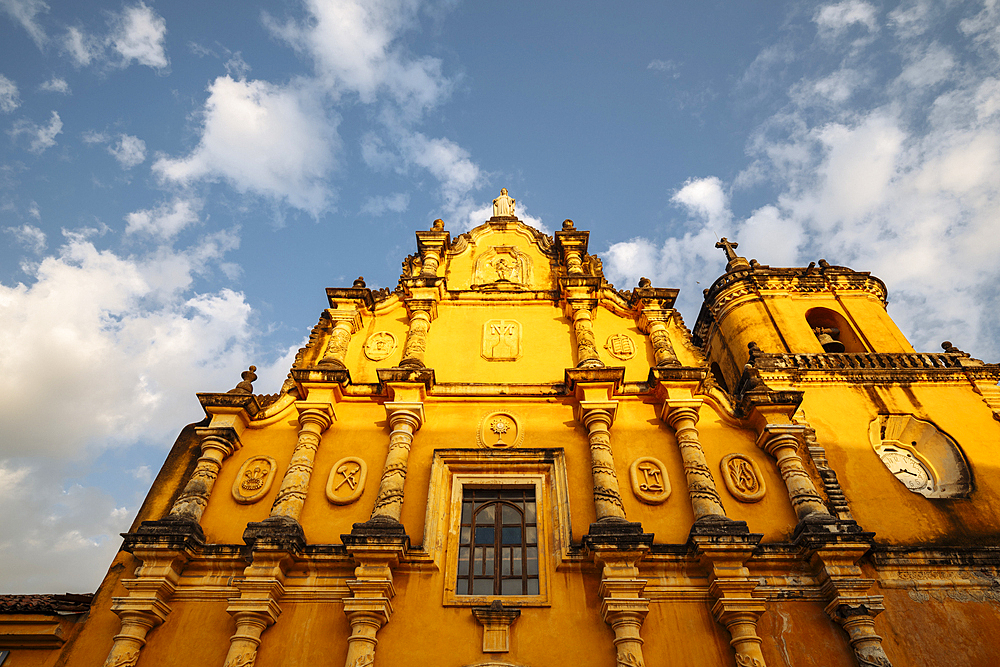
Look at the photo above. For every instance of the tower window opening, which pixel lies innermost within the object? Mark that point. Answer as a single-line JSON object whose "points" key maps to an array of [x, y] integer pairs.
{"points": [[833, 332]]}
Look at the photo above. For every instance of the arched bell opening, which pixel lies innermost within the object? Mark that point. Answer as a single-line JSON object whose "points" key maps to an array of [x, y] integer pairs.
{"points": [[833, 331]]}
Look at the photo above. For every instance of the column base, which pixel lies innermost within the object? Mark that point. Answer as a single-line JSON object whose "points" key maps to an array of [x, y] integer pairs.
{"points": [[714, 527], [816, 530], [614, 533], [377, 530], [173, 532], [280, 532]]}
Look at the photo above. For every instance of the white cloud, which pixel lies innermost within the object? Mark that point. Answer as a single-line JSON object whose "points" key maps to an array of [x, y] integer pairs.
{"points": [[40, 136], [9, 97], [832, 19], [448, 162], [275, 141], [355, 47], [165, 221], [668, 67], [705, 198], [128, 150], [29, 236], [91, 137], [138, 34], [397, 203], [26, 13], [55, 85], [932, 66], [80, 46]]}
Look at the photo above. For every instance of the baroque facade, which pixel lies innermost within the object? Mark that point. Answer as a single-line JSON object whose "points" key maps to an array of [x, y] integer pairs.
{"points": [[507, 462]]}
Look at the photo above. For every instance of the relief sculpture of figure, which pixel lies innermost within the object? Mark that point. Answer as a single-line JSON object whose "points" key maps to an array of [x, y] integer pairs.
{"points": [[504, 204]]}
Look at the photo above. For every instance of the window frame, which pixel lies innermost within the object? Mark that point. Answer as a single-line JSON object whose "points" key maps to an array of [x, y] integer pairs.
{"points": [[454, 470], [497, 529]]}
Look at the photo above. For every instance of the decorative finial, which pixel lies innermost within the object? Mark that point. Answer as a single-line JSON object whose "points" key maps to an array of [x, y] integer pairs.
{"points": [[728, 247], [360, 282], [949, 348], [438, 225], [645, 282], [754, 264], [824, 264], [567, 225], [754, 350], [245, 387], [503, 206]]}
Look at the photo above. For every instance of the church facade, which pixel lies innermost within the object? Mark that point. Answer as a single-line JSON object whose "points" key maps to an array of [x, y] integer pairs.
{"points": [[506, 462]]}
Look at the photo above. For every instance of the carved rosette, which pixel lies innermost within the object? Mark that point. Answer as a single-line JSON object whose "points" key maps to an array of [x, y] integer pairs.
{"points": [[347, 480], [254, 479], [743, 478], [650, 483]]}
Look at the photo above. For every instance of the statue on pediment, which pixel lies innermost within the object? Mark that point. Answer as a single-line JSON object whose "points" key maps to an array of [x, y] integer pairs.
{"points": [[503, 206]]}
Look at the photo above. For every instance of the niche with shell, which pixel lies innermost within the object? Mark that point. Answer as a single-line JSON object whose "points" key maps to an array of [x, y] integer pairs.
{"points": [[923, 458], [833, 331]]}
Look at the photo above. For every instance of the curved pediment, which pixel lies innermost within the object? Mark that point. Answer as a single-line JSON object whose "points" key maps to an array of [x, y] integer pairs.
{"points": [[503, 254]]}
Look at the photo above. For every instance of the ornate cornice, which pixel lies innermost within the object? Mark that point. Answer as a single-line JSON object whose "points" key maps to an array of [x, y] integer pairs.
{"points": [[876, 367]]}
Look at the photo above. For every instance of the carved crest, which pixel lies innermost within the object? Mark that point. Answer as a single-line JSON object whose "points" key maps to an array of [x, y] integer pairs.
{"points": [[743, 478], [501, 430], [380, 345], [347, 480], [254, 479], [650, 483], [502, 267], [501, 340], [620, 346]]}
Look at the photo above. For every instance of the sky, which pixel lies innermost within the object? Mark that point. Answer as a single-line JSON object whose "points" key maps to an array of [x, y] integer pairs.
{"points": [[180, 181]]}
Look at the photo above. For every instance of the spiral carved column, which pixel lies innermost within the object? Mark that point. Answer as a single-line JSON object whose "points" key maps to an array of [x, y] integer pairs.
{"points": [[216, 445], [405, 420], [313, 421], [782, 442], [705, 501], [607, 495]]}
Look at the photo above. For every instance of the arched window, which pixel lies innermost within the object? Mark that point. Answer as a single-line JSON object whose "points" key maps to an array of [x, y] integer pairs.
{"points": [[498, 542], [833, 331]]}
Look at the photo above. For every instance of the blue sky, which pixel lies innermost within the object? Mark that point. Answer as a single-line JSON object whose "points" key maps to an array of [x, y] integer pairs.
{"points": [[180, 181]]}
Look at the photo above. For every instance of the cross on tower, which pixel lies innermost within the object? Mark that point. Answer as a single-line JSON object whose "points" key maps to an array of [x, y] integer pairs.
{"points": [[728, 248]]}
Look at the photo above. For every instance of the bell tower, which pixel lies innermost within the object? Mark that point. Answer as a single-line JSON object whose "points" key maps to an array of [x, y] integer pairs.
{"points": [[804, 310]]}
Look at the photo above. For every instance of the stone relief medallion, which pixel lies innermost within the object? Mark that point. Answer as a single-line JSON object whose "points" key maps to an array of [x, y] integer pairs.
{"points": [[254, 479], [743, 478], [346, 481], [501, 340], [499, 430], [620, 346], [380, 345], [502, 267], [650, 483]]}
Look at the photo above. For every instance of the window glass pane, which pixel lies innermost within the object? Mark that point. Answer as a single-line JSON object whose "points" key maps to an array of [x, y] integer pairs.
{"points": [[512, 494], [463, 561], [489, 561], [467, 512], [463, 587], [505, 561], [529, 510], [484, 534], [465, 534], [516, 564], [532, 586], [532, 561], [512, 535], [530, 535], [486, 515], [511, 515], [477, 563], [511, 587], [482, 587]]}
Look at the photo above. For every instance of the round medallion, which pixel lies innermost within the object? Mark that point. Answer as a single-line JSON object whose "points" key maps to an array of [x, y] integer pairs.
{"points": [[620, 346], [500, 430], [346, 481], [254, 479], [650, 483], [380, 345]]}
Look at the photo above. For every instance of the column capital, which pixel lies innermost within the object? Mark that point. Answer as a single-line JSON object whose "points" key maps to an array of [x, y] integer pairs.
{"points": [[772, 434], [320, 413], [649, 316], [405, 412], [424, 303], [226, 439], [346, 313], [588, 412], [679, 408]]}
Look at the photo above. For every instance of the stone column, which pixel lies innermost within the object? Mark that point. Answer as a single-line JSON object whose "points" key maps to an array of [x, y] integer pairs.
{"points": [[314, 419], [682, 415], [597, 417], [216, 445], [370, 607], [622, 604], [416, 336], [731, 589], [256, 608], [405, 419], [346, 322], [782, 441], [586, 344], [653, 322]]}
